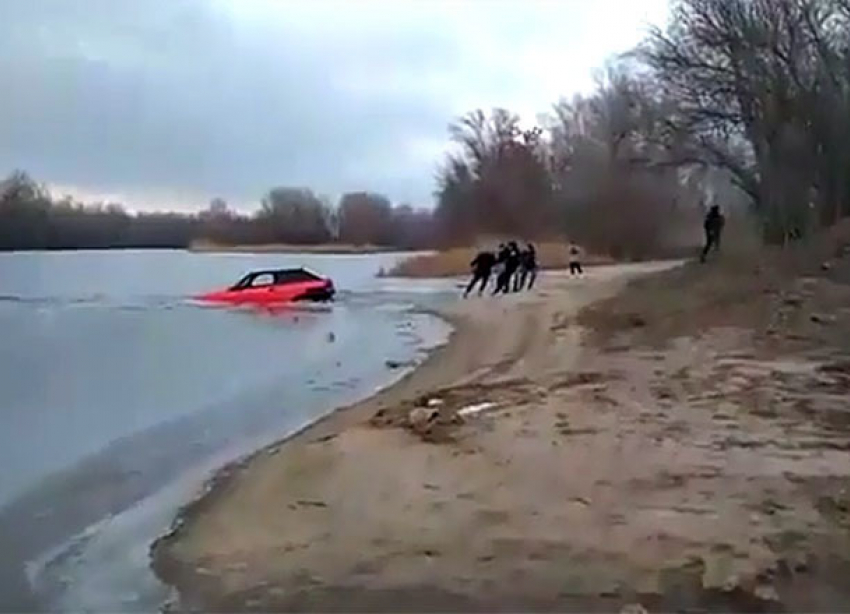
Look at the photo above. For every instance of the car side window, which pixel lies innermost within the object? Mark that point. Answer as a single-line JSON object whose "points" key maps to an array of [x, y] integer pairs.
{"points": [[261, 280]]}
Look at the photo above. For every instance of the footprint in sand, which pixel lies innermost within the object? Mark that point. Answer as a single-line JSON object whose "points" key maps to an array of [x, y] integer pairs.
{"points": [[492, 517]]}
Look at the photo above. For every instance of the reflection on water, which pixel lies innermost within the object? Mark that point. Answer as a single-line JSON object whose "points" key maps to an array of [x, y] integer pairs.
{"points": [[114, 384]]}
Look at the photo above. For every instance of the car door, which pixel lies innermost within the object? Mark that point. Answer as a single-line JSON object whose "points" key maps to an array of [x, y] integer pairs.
{"points": [[261, 290]]}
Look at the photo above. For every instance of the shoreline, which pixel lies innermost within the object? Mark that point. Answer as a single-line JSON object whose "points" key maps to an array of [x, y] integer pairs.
{"points": [[337, 418], [329, 421], [325, 426], [460, 361]]}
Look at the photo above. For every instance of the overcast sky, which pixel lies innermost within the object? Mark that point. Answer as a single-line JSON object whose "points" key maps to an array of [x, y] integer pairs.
{"points": [[163, 104]]}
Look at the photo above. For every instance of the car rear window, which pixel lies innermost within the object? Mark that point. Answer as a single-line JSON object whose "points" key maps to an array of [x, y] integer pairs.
{"points": [[284, 277]]}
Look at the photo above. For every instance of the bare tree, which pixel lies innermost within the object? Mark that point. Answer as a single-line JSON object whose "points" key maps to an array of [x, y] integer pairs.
{"points": [[498, 182], [295, 215], [762, 89], [614, 178], [365, 218]]}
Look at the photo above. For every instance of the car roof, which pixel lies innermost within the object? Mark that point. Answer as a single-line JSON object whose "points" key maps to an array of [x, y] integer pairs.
{"points": [[289, 270]]}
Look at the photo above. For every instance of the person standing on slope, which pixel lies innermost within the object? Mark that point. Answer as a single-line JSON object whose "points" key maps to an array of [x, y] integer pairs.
{"points": [[713, 226]]}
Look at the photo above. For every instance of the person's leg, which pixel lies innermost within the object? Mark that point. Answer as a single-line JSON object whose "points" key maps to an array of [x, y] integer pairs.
{"points": [[532, 277], [706, 247], [484, 279], [710, 244], [470, 285], [500, 281], [579, 269], [572, 268]]}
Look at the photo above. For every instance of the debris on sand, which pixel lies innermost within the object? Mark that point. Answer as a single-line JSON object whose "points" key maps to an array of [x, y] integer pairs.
{"points": [[310, 503], [470, 410], [766, 592], [420, 419], [820, 318]]}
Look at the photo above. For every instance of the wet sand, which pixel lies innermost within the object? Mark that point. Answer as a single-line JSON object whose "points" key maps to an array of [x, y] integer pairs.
{"points": [[598, 476]]}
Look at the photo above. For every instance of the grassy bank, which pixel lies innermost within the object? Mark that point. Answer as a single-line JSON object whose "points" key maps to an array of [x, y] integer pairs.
{"points": [[745, 286], [455, 261]]}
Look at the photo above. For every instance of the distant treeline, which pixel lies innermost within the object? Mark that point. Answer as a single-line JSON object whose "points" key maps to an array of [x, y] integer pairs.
{"points": [[31, 219]]}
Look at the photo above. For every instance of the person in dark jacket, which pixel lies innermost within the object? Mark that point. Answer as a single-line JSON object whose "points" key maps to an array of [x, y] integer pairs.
{"points": [[713, 227], [529, 265], [527, 270], [512, 262], [520, 275], [482, 265], [503, 275]]}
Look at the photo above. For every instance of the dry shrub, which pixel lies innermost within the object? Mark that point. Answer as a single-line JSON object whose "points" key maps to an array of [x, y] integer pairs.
{"points": [[688, 300]]}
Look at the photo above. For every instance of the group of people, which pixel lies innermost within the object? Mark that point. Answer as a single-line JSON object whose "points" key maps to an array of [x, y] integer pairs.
{"points": [[514, 268]]}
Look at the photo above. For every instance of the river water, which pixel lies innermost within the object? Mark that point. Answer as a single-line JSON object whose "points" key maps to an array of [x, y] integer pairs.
{"points": [[119, 396]]}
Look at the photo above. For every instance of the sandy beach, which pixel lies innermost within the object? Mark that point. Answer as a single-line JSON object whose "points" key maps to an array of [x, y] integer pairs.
{"points": [[530, 464]]}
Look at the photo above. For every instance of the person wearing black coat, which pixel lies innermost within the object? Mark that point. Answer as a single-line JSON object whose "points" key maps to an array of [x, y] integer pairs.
{"points": [[713, 227], [511, 260], [482, 265], [528, 268]]}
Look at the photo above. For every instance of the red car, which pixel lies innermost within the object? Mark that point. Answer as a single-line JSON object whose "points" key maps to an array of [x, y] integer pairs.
{"points": [[274, 287]]}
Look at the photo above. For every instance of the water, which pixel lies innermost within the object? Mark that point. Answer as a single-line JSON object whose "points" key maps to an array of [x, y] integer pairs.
{"points": [[120, 395]]}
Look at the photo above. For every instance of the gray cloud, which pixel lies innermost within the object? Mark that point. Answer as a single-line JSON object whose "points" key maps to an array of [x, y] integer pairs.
{"points": [[170, 102]]}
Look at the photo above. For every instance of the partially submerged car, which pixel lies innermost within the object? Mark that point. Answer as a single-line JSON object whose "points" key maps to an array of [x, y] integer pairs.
{"points": [[273, 287]]}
